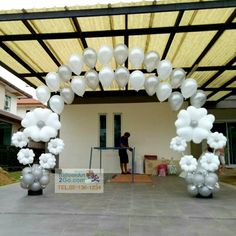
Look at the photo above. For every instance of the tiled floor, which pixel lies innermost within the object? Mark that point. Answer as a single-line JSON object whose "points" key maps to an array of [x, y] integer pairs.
{"points": [[162, 208]]}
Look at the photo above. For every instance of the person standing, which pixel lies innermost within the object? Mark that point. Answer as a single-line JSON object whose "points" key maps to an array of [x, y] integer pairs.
{"points": [[124, 159]]}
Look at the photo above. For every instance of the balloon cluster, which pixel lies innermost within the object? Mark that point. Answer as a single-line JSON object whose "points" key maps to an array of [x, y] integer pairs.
{"points": [[194, 124], [162, 85]]}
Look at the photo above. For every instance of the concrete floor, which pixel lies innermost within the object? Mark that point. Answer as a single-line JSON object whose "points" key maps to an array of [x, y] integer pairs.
{"points": [[162, 208]]}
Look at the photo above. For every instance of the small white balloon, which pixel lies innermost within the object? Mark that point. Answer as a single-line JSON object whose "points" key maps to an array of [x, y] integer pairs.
{"points": [[137, 79], [151, 84], [188, 87], [78, 85], [175, 100], [177, 77], [65, 73], [43, 93], [53, 81], [76, 63], [44, 180], [106, 75], [164, 69], [136, 56], [122, 76], [121, 53], [90, 57], [151, 61], [67, 94], [35, 186], [56, 103], [164, 90], [198, 99], [91, 78], [105, 54]]}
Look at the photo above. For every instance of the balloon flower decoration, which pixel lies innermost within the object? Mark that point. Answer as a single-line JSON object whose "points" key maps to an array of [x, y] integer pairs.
{"points": [[194, 124], [40, 125]]}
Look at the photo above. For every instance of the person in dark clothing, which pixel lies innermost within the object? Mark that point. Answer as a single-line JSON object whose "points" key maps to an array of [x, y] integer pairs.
{"points": [[123, 153]]}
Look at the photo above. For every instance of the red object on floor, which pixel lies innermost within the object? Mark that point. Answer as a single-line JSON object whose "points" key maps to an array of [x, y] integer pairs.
{"points": [[162, 169]]}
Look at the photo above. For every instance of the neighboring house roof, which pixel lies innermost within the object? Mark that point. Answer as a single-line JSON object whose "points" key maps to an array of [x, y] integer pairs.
{"points": [[14, 89], [7, 116], [29, 102]]}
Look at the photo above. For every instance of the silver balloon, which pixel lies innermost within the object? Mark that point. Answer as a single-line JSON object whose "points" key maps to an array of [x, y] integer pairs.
{"points": [[67, 94], [121, 53], [65, 73], [198, 99], [210, 181], [164, 90], [44, 180], [177, 77], [78, 85], [136, 56], [76, 63], [175, 100], [90, 57], [122, 76], [106, 75], [164, 69], [28, 179], [35, 186], [26, 170], [216, 188], [188, 87], [214, 175], [198, 180], [151, 61], [105, 54], [192, 190], [53, 81], [201, 171], [23, 185], [37, 173], [43, 93], [91, 78], [45, 172], [189, 178], [204, 191], [151, 84], [56, 103], [137, 80]]}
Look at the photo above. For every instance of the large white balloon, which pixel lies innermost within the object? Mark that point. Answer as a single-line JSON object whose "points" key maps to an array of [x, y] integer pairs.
{"points": [[53, 81], [76, 63], [122, 76], [56, 103], [121, 53], [78, 85], [198, 99], [176, 100], [67, 94], [105, 54], [137, 79], [106, 75], [91, 78], [151, 61], [136, 56], [65, 73], [164, 90], [43, 93], [90, 57], [164, 69], [151, 84], [176, 78], [188, 87]]}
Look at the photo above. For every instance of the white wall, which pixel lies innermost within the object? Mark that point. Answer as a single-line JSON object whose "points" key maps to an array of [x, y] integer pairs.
{"points": [[151, 126], [2, 96]]}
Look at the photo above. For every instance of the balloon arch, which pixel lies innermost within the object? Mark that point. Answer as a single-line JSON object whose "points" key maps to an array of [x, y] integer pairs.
{"points": [[192, 124]]}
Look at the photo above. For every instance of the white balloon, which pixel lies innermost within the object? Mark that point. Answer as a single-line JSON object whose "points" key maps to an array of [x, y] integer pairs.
{"points": [[164, 90], [188, 87], [151, 84], [176, 78], [65, 73], [164, 69], [90, 57], [122, 76], [106, 75], [136, 56], [198, 99], [56, 103], [151, 61], [35, 186], [67, 94], [176, 100], [43, 93], [78, 85], [105, 54], [53, 81], [121, 53], [137, 79], [76, 63], [91, 78]]}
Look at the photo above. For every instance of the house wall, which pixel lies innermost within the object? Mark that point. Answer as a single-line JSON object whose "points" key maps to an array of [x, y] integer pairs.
{"points": [[2, 96], [151, 126]]}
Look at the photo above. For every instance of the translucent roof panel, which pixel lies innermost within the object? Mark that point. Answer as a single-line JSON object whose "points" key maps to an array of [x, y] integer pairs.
{"points": [[118, 22], [138, 21], [233, 85], [202, 76], [218, 95], [164, 19], [34, 81], [13, 27]]}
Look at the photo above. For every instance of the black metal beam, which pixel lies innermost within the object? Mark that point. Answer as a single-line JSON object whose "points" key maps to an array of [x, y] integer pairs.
{"points": [[172, 35], [119, 10], [213, 40], [114, 33], [126, 41]]}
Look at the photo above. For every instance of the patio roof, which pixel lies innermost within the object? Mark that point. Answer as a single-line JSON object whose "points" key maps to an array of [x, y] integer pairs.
{"points": [[198, 36]]}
